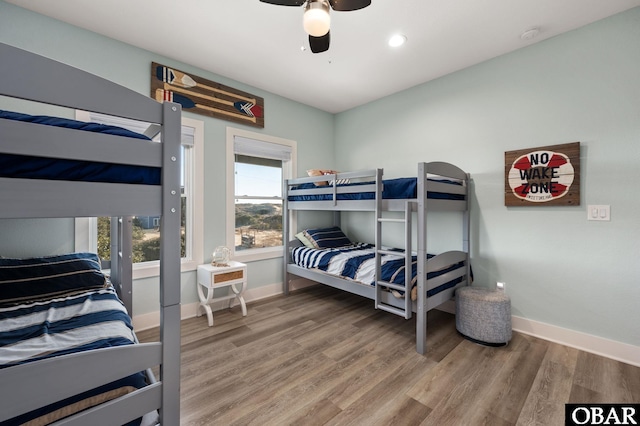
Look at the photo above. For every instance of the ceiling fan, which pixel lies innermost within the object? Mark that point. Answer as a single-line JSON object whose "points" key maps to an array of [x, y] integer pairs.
{"points": [[316, 18]]}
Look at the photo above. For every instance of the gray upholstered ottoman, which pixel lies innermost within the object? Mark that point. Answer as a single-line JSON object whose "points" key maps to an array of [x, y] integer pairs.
{"points": [[483, 315]]}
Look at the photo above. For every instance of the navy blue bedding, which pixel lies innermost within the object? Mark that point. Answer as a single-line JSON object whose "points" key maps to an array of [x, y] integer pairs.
{"points": [[75, 322], [32, 167], [46, 277], [400, 188]]}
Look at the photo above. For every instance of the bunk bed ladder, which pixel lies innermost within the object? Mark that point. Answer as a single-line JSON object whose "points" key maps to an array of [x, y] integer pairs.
{"points": [[405, 311]]}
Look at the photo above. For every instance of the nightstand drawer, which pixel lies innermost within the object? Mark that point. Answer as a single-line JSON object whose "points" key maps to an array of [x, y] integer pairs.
{"points": [[227, 276]]}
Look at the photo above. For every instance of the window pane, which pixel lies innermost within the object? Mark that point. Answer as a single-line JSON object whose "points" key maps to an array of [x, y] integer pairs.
{"points": [[185, 165], [146, 229], [258, 219], [258, 180], [146, 239], [183, 227], [104, 238], [145, 236], [258, 224]]}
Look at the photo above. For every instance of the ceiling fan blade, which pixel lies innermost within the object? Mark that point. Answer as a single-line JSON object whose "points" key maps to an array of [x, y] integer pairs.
{"points": [[285, 2], [320, 44], [347, 5]]}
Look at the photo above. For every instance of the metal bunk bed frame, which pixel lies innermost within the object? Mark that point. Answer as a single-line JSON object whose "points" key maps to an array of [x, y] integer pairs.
{"points": [[29, 386], [422, 205]]}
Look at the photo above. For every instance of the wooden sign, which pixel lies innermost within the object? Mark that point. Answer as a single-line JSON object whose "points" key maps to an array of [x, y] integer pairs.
{"points": [[544, 176], [205, 97]]}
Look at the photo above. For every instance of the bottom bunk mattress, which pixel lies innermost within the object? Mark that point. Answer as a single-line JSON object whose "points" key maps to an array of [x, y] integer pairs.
{"points": [[57, 322], [357, 263]]}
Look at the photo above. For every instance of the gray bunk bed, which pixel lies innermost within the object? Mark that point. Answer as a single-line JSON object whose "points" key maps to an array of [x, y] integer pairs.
{"points": [[439, 186], [30, 386]]}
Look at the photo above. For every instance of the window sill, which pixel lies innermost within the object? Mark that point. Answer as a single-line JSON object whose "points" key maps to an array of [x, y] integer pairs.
{"points": [[152, 269], [254, 255]]}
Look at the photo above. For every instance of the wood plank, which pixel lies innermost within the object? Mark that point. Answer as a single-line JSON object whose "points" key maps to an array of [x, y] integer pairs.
{"points": [[401, 411], [380, 399], [551, 388], [515, 378], [314, 414], [464, 396], [612, 381]]}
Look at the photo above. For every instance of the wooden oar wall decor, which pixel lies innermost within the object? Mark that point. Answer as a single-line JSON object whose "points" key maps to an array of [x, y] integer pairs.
{"points": [[205, 97]]}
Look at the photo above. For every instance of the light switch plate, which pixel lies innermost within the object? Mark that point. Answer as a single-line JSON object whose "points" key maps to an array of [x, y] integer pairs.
{"points": [[599, 212]]}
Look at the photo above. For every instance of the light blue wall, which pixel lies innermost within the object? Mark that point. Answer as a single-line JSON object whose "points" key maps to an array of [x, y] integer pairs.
{"points": [[130, 67], [583, 86]]}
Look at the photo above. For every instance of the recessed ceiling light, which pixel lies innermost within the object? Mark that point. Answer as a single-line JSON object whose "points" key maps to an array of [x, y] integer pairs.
{"points": [[530, 34], [397, 40]]}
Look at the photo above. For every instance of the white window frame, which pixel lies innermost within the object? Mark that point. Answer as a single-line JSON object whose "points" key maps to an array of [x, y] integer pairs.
{"points": [[288, 169], [86, 229]]}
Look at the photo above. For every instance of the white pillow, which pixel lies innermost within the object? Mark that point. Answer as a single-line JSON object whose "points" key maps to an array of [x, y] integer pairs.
{"points": [[304, 240]]}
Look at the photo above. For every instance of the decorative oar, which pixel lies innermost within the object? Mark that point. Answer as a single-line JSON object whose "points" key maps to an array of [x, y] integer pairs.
{"points": [[171, 76], [247, 108], [168, 95]]}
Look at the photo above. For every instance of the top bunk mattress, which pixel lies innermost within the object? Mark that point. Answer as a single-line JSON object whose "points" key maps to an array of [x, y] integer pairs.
{"points": [[33, 167], [399, 189]]}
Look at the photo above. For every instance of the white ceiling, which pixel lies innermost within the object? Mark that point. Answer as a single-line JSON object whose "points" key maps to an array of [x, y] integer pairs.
{"points": [[260, 44]]}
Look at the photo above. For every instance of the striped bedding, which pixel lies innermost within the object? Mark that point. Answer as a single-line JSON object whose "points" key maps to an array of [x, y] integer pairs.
{"points": [[357, 263], [77, 321]]}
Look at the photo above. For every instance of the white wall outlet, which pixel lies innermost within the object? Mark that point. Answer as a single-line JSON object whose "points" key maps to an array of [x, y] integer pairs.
{"points": [[599, 212], [500, 286]]}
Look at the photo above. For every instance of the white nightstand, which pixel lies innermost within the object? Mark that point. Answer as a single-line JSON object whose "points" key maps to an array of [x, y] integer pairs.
{"points": [[212, 277]]}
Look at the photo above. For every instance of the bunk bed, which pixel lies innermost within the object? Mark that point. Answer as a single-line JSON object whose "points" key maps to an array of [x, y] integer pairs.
{"points": [[50, 190], [393, 274]]}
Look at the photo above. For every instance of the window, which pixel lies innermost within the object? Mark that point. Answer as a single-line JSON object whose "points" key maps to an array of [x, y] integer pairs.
{"points": [[256, 167], [92, 234]]}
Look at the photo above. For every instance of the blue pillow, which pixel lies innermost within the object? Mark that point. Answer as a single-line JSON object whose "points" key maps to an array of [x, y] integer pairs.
{"points": [[45, 277], [332, 237]]}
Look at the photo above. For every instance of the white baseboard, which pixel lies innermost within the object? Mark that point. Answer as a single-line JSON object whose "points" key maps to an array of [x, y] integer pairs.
{"points": [[618, 351], [189, 310], [146, 321]]}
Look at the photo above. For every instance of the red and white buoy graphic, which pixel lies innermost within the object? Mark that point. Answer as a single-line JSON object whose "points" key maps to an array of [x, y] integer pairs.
{"points": [[541, 176]]}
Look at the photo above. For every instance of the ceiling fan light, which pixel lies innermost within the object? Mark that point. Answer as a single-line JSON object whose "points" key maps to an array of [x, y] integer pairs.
{"points": [[397, 40], [316, 20]]}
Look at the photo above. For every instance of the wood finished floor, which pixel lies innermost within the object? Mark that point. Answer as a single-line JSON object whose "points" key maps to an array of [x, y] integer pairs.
{"points": [[325, 357]]}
